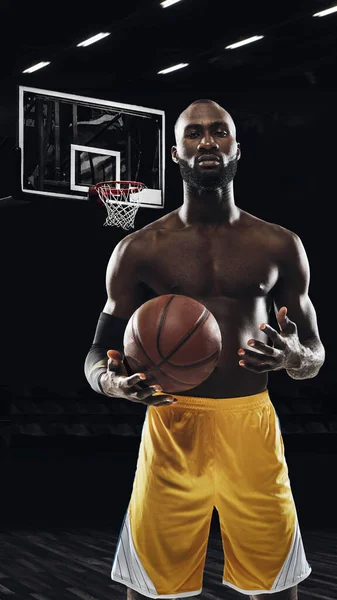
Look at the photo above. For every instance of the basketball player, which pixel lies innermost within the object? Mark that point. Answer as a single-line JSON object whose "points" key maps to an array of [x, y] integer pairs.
{"points": [[219, 444]]}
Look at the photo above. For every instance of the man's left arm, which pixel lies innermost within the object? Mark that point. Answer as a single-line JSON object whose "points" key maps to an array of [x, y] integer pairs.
{"points": [[297, 346]]}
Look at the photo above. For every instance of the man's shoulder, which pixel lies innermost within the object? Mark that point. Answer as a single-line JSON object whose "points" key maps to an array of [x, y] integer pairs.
{"points": [[168, 221], [270, 230], [140, 238]]}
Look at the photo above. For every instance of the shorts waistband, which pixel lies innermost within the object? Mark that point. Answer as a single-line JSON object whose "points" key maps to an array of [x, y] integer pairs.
{"points": [[240, 403]]}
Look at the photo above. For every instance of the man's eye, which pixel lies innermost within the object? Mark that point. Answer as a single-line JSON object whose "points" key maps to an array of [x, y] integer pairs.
{"points": [[221, 132], [192, 134]]}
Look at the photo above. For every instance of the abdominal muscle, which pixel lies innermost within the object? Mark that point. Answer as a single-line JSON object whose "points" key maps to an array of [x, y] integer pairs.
{"points": [[239, 321]]}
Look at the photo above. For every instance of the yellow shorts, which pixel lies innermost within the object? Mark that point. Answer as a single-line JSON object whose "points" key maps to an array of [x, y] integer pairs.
{"points": [[195, 455]]}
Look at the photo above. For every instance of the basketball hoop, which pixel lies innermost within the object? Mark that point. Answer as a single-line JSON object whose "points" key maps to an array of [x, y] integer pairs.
{"points": [[121, 200]]}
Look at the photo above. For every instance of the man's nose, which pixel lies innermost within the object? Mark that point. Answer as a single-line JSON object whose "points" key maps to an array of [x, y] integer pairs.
{"points": [[207, 142]]}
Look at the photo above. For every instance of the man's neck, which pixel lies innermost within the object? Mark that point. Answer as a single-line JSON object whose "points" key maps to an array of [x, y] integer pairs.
{"points": [[213, 207]]}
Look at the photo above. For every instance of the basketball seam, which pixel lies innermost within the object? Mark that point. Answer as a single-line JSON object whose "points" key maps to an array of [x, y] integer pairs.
{"points": [[157, 368], [161, 323], [196, 363], [202, 318], [184, 366]]}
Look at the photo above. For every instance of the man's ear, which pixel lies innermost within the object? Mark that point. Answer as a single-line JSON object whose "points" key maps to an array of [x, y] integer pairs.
{"points": [[174, 154], [238, 152]]}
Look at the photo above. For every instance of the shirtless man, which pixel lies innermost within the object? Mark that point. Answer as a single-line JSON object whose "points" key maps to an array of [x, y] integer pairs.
{"points": [[219, 444]]}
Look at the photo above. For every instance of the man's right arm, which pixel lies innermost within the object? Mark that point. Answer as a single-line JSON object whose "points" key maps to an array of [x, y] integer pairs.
{"points": [[124, 295], [123, 298]]}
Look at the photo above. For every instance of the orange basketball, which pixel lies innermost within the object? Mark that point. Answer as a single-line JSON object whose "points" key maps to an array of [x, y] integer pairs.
{"points": [[175, 340]]}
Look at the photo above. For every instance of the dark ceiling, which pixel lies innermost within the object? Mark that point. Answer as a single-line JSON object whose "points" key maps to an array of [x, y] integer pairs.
{"points": [[297, 49]]}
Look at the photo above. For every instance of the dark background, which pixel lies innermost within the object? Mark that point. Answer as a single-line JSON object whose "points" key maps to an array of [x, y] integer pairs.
{"points": [[63, 446]]}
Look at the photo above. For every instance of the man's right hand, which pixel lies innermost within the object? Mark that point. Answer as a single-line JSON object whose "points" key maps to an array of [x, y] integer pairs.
{"points": [[117, 384]]}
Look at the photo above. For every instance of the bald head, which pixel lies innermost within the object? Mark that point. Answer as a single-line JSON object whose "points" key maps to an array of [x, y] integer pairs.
{"points": [[202, 108]]}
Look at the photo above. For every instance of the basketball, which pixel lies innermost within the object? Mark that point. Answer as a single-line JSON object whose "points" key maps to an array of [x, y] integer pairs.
{"points": [[175, 340]]}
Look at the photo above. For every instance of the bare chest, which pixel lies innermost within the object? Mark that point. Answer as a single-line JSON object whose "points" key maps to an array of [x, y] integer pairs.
{"points": [[210, 265]]}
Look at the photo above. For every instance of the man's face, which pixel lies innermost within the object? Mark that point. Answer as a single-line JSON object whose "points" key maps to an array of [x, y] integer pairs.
{"points": [[206, 148]]}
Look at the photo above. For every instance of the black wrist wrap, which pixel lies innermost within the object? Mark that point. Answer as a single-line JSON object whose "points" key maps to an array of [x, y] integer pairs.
{"points": [[109, 335]]}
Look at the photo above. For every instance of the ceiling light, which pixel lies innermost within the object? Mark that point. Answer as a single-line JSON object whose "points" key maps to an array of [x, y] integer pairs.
{"points": [[93, 39], [36, 67], [244, 42], [167, 3], [170, 69], [328, 11]]}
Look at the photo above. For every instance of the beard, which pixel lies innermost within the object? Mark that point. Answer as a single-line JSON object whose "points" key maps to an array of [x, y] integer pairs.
{"points": [[208, 181]]}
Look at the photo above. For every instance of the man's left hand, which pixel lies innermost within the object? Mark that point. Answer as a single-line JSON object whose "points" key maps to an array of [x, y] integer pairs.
{"points": [[285, 353]]}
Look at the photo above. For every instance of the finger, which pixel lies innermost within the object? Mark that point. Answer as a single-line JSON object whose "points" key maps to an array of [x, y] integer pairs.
{"points": [[114, 355], [147, 392], [286, 325], [272, 334], [263, 367], [153, 396], [114, 360], [282, 313], [259, 346], [255, 358], [129, 382], [161, 401], [165, 403], [282, 318]]}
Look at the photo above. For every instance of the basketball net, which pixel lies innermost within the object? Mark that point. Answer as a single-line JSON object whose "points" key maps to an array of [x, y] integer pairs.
{"points": [[121, 200]]}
